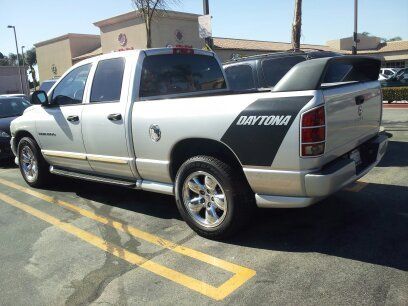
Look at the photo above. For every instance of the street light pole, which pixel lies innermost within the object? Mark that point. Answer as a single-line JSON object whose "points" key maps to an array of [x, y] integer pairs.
{"points": [[22, 55], [355, 38], [18, 57], [206, 9]]}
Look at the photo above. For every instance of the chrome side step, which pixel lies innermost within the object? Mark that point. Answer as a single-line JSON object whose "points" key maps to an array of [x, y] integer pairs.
{"points": [[155, 187], [92, 178], [139, 184]]}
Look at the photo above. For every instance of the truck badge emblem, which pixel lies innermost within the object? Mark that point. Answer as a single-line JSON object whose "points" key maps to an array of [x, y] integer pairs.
{"points": [[154, 132]]}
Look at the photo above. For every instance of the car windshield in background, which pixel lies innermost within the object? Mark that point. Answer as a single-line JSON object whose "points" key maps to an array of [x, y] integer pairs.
{"points": [[275, 68], [46, 85], [13, 107], [176, 74]]}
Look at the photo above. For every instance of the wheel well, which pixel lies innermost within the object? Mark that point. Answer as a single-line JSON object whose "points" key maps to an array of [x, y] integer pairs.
{"points": [[22, 134], [191, 147]]}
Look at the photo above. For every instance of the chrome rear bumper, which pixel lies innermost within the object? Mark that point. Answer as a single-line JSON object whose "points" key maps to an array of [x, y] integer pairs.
{"points": [[330, 179]]}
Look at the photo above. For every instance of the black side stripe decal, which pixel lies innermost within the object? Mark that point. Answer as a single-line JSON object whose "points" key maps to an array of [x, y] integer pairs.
{"points": [[257, 133]]}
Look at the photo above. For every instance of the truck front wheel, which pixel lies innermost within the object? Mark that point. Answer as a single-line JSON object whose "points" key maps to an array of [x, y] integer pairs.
{"points": [[33, 167], [212, 197]]}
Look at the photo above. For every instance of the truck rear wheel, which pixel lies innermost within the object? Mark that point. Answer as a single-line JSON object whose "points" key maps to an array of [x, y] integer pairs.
{"points": [[212, 197], [33, 167]]}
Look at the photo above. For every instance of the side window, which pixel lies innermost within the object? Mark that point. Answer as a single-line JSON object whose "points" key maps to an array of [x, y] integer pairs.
{"points": [[240, 77], [180, 73], [71, 88], [107, 82], [274, 69]]}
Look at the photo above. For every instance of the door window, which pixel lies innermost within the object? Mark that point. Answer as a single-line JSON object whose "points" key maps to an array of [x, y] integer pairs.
{"points": [[275, 68], [107, 82], [240, 77], [71, 88]]}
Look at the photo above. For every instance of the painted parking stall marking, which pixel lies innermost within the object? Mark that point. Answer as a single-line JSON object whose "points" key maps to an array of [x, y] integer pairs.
{"points": [[241, 274], [357, 186]]}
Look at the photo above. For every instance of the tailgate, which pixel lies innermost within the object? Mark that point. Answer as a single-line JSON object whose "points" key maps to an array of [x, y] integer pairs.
{"points": [[353, 114], [351, 93]]}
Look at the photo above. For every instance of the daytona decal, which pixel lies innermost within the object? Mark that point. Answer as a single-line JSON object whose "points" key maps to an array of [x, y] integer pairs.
{"points": [[264, 120], [257, 133]]}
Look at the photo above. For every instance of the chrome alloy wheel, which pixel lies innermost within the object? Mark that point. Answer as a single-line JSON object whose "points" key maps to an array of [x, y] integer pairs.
{"points": [[204, 199], [29, 164]]}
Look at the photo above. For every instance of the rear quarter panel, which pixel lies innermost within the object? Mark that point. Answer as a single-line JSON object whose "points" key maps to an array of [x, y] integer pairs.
{"points": [[199, 117]]}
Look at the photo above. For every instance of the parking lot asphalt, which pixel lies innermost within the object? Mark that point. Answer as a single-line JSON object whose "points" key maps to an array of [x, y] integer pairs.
{"points": [[81, 243]]}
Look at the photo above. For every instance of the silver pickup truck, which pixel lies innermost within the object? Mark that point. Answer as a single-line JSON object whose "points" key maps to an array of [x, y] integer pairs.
{"points": [[164, 120]]}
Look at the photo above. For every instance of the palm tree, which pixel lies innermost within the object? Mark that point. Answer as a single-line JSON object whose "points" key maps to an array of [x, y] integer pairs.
{"points": [[297, 25]]}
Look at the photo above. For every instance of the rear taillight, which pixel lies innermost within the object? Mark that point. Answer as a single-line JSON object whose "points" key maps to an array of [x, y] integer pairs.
{"points": [[313, 132]]}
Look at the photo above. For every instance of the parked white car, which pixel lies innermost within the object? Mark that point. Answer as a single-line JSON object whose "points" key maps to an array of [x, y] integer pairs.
{"points": [[388, 72]]}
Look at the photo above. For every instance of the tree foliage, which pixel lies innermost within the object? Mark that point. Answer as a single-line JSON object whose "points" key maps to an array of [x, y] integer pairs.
{"points": [[150, 9], [396, 38]]}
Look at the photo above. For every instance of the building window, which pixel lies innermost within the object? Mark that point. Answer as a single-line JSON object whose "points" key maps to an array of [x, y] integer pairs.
{"points": [[394, 64]]}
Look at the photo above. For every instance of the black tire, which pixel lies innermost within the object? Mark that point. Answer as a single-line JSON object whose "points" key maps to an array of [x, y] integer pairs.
{"points": [[240, 198], [43, 174]]}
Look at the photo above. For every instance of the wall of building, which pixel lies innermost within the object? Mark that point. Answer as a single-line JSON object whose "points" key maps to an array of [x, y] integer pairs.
{"points": [[365, 43], [166, 29], [10, 80], [84, 44], [58, 54], [134, 30]]}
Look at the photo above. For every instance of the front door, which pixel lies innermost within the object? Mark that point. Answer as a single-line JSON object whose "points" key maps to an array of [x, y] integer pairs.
{"points": [[59, 125], [103, 123]]}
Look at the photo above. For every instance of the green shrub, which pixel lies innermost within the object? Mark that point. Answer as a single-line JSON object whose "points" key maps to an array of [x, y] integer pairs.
{"points": [[395, 93]]}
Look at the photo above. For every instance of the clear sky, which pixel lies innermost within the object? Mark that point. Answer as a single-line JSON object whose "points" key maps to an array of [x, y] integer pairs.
{"points": [[256, 19]]}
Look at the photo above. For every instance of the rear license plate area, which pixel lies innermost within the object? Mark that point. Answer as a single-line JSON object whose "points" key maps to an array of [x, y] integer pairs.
{"points": [[356, 156]]}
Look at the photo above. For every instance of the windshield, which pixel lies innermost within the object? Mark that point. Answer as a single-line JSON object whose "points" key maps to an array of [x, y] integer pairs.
{"points": [[13, 107]]}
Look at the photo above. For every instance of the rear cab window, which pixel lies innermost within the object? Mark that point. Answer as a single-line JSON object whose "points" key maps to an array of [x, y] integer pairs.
{"points": [[177, 74]]}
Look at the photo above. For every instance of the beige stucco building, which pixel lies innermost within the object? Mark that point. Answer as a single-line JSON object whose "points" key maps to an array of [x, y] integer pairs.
{"points": [[127, 31], [392, 54], [55, 56]]}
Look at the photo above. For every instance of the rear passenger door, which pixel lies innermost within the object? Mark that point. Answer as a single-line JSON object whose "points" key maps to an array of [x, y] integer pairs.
{"points": [[104, 116], [240, 77]]}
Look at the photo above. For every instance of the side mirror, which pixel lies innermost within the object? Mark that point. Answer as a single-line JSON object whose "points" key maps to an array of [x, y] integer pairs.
{"points": [[39, 97]]}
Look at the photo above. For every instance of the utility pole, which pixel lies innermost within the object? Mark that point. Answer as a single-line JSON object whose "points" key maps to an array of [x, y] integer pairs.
{"points": [[18, 57], [22, 54], [297, 26], [206, 7], [355, 38]]}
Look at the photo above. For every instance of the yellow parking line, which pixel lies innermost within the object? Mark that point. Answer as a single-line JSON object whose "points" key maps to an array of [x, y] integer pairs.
{"points": [[357, 186], [241, 274], [7, 170]]}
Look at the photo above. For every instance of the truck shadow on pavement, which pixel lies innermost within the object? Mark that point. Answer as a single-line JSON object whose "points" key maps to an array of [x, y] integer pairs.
{"points": [[369, 226], [396, 156]]}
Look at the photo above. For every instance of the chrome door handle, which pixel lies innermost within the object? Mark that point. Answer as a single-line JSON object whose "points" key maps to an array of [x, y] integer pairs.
{"points": [[73, 118], [115, 117]]}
